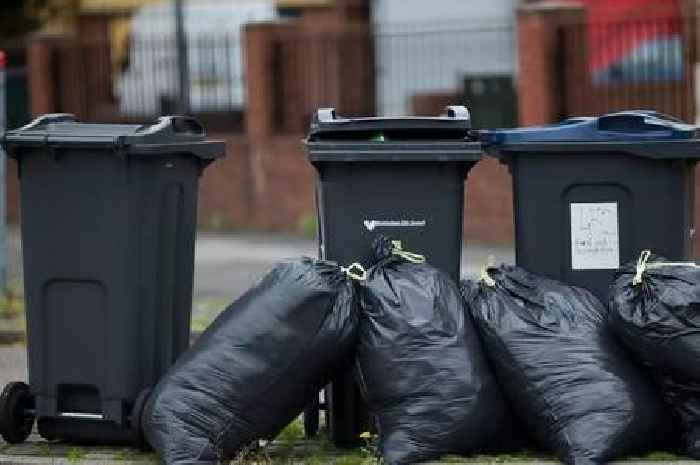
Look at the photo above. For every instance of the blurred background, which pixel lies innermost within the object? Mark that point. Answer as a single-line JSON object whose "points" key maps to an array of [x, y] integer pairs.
{"points": [[254, 71]]}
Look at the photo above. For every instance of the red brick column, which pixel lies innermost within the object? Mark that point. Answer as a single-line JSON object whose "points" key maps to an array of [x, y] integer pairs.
{"points": [[259, 40], [42, 98], [541, 97]]}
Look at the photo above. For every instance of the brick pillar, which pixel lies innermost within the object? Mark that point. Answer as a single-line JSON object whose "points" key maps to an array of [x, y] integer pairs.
{"points": [[94, 46], [260, 40], [42, 88], [261, 118], [541, 96]]}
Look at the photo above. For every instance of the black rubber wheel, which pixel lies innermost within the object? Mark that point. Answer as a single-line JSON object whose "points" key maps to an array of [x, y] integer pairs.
{"points": [[311, 419], [136, 420], [43, 430], [15, 424]]}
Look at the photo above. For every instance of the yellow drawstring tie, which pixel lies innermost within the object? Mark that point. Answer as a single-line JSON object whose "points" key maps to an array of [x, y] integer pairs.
{"points": [[397, 249], [485, 278], [643, 265], [355, 271]]}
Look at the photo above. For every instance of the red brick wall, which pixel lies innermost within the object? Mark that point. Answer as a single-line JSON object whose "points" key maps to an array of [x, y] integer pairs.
{"points": [[284, 184], [488, 215], [225, 193], [271, 187], [267, 187]]}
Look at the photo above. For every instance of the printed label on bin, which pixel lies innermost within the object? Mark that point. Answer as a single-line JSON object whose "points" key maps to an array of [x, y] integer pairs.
{"points": [[595, 240], [371, 225]]}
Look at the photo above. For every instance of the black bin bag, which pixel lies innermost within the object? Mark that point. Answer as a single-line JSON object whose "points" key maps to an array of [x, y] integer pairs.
{"points": [[427, 380], [257, 366], [655, 310], [570, 383]]}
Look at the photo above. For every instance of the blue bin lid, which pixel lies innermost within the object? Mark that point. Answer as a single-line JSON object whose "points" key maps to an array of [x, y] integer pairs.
{"points": [[640, 132]]}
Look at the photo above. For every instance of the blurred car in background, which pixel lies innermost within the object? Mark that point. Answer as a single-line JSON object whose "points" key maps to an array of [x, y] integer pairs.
{"points": [[634, 40]]}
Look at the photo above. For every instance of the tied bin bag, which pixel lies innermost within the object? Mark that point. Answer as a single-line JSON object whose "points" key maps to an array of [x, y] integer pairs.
{"points": [[568, 381], [427, 381], [655, 310], [258, 365]]}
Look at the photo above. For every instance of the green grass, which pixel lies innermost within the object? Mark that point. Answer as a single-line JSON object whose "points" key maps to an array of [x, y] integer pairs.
{"points": [[12, 301], [659, 456], [75, 455], [292, 432], [307, 225], [204, 311]]}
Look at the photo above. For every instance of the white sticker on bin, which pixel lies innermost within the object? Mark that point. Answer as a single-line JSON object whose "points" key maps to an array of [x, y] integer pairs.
{"points": [[595, 239], [371, 225]]}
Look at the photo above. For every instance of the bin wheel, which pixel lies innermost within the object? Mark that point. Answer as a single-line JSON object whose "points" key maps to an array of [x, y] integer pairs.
{"points": [[16, 423], [311, 418], [136, 420], [44, 430]]}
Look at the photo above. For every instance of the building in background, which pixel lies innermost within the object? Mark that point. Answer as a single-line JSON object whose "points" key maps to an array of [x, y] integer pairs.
{"points": [[147, 79], [457, 47]]}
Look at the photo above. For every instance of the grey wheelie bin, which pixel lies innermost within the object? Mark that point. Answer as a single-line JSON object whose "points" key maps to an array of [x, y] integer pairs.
{"points": [[108, 224], [590, 193], [399, 177]]}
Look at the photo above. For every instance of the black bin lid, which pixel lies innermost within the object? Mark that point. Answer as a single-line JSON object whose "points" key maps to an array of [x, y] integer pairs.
{"points": [[404, 138], [643, 133], [168, 135]]}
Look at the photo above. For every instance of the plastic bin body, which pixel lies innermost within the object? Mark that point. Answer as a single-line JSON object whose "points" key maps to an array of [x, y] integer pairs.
{"points": [[108, 234], [419, 203], [584, 207], [399, 177]]}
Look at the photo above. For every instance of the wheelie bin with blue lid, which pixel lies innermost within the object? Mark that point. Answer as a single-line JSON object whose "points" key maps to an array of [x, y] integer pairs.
{"points": [[401, 177], [590, 193], [108, 225]]}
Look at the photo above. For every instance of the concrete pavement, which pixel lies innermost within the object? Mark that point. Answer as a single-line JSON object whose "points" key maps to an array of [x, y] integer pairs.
{"points": [[228, 264]]}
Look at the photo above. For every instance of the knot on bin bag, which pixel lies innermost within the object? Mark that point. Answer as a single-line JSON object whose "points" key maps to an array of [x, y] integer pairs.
{"points": [[385, 248], [484, 276]]}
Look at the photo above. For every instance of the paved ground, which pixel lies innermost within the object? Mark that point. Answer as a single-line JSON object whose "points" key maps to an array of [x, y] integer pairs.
{"points": [[13, 364], [227, 264]]}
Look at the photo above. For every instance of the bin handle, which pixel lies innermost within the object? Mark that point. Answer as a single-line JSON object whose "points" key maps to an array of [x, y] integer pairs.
{"points": [[176, 125], [640, 120], [457, 112], [45, 120], [325, 115]]}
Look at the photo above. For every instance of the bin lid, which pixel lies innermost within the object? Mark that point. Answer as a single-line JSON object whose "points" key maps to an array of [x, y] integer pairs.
{"points": [[644, 133], [454, 124], [169, 134], [405, 138]]}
